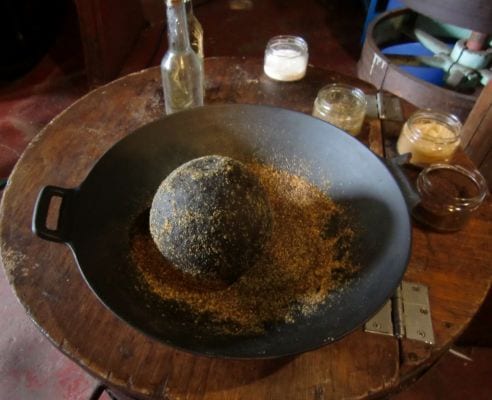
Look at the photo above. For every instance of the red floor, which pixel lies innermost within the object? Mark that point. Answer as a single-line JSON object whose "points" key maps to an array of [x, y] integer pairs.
{"points": [[30, 367]]}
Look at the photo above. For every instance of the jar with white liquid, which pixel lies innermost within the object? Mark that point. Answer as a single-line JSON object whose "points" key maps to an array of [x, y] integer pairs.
{"points": [[430, 136], [286, 58]]}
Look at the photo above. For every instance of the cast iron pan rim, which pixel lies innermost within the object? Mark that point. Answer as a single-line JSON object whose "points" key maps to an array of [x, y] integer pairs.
{"points": [[272, 354]]}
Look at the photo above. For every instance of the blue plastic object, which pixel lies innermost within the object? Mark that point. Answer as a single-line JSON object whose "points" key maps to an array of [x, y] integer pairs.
{"points": [[428, 74], [375, 7]]}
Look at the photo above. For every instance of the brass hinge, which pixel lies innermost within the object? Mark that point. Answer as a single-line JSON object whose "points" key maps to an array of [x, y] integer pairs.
{"points": [[406, 314]]}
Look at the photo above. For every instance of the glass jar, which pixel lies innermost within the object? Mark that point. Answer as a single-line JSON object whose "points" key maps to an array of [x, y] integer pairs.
{"points": [[449, 195], [430, 136], [341, 105], [286, 58]]}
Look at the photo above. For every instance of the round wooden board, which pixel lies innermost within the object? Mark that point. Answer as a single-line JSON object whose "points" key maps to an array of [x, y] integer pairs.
{"points": [[45, 277]]}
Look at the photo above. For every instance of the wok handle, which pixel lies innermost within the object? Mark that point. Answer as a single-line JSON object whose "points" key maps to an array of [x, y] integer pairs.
{"points": [[41, 209], [412, 197]]}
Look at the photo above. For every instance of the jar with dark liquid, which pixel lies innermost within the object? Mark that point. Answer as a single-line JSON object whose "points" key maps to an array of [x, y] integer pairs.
{"points": [[449, 196]]}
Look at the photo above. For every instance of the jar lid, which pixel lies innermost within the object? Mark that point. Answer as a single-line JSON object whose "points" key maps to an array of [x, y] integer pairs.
{"points": [[288, 42]]}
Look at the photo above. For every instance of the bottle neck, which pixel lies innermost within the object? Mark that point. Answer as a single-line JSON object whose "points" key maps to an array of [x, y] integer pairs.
{"points": [[177, 26]]}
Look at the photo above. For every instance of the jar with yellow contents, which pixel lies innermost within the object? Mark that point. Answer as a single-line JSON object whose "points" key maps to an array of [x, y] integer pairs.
{"points": [[430, 136]]}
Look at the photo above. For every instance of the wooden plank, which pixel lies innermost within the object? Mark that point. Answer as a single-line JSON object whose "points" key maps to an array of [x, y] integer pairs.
{"points": [[477, 137], [476, 116]]}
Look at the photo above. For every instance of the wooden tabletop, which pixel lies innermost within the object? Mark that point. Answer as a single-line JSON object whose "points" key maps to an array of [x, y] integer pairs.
{"points": [[455, 267]]}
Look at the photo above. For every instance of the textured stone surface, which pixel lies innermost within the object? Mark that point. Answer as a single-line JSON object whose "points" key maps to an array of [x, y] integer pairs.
{"points": [[210, 218]]}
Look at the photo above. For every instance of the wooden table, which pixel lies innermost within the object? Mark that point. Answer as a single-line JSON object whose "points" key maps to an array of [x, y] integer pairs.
{"points": [[455, 267]]}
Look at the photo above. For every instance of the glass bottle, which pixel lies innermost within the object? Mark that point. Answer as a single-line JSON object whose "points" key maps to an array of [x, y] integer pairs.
{"points": [[195, 29], [181, 68]]}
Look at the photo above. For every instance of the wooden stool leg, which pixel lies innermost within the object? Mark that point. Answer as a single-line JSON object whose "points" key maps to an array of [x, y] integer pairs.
{"points": [[98, 391]]}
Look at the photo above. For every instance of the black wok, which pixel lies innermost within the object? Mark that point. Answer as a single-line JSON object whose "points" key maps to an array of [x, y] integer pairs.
{"points": [[95, 219]]}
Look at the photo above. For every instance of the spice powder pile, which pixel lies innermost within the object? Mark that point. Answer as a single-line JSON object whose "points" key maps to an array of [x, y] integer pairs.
{"points": [[307, 255]]}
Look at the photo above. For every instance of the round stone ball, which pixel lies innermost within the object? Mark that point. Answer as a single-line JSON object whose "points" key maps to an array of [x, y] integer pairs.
{"points": [[211, 219]]}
